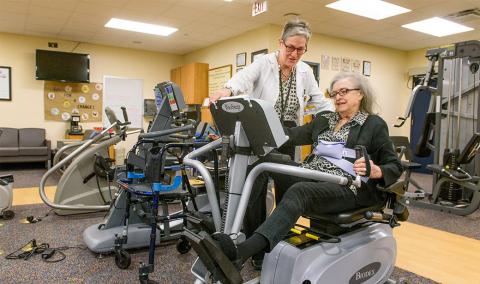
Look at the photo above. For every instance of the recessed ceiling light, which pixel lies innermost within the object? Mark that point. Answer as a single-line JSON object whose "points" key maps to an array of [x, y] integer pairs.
{"points": [[140, 27], [438, 27], [373, 9]]}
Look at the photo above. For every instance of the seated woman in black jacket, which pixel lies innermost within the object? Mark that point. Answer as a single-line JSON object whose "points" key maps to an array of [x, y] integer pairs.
{"points": [[353, 124]]}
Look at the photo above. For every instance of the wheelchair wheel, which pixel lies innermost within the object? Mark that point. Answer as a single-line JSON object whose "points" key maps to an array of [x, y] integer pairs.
{"points": [[8, 214], [122, 259], [183, 246]]}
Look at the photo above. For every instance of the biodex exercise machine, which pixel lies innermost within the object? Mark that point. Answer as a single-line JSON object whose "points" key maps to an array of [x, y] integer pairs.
{"points": [[363, 253], [78, 191], [451, 125], [6, 197]]}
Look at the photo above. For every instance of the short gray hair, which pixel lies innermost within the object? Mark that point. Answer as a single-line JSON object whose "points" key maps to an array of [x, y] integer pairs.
{"points": [[296, 27], [361, 83]]}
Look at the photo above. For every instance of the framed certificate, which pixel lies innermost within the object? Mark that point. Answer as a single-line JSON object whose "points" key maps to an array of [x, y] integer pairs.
{"points": [[258, 53], [367, 68], [241, 59], [5, 83]]}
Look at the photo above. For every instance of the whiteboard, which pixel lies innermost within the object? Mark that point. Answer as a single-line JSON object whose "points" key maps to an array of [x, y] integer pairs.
{"points": [[125, 92]]}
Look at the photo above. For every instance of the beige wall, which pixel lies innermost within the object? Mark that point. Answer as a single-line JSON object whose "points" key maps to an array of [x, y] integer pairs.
{"points": [[26, 108], [389, 66], [389, 70]]}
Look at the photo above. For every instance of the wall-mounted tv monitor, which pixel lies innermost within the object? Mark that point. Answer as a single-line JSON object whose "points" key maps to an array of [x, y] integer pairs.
{"points": [[62, 66]]}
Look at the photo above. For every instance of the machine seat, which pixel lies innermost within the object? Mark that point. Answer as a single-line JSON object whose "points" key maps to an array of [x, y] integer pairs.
{"points": [[346, 217], [336, 224]]}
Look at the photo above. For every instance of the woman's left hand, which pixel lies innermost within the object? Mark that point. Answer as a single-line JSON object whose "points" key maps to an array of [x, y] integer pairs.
{"points": [[360, 168]]}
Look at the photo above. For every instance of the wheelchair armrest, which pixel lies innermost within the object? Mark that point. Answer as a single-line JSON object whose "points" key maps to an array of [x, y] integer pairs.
{"points": [[398, 188]]}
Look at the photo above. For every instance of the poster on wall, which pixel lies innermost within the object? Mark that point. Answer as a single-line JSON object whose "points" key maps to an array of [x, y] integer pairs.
{"points": [[325, 62], [335, 63], [356, 65], [346, 64], [217, 77], [61, 100]]}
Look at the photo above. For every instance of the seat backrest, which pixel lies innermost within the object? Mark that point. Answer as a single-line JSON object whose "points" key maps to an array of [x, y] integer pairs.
{"points": [[402, 141], [8, 137], [31, 137]]}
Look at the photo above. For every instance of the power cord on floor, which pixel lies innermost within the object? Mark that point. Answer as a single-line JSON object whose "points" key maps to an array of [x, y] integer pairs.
{"points": [[32, 219], [33, 248]]}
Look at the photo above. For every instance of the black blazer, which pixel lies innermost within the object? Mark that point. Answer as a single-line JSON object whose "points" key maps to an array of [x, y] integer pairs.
{"points": [[373, 134]]}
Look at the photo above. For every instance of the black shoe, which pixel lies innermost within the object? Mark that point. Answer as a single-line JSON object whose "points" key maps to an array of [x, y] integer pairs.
{"points": [[257, 261]]}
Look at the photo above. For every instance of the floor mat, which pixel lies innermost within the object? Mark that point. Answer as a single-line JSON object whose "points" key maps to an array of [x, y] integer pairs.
{"points": [[83, 266]]}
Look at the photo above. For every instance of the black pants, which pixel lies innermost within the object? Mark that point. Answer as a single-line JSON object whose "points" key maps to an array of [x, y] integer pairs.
{"points": [[301, 196]]}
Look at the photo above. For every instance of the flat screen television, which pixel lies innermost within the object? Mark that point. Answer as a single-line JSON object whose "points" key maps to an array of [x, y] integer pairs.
{"points": [[62, 66]]}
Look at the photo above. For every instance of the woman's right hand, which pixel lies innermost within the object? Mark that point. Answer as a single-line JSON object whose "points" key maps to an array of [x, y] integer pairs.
{"points": [[220, 94]]}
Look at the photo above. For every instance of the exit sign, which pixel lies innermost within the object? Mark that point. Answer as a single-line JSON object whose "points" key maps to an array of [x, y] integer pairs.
{"points": [[259, 7]]}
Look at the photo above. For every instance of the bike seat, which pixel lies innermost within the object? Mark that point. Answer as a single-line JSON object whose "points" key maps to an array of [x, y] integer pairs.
{"points": [[346, 217]]}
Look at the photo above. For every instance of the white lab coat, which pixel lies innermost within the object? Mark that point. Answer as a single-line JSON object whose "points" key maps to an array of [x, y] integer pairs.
{"points": [[261, 80]]}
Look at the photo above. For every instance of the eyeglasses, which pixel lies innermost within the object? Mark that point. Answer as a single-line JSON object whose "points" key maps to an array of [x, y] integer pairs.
{"points": [[291, 49], [341, 92]]}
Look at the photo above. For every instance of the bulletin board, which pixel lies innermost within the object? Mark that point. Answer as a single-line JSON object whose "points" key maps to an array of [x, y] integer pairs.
{"points": [[61, 100], [218, 77]]}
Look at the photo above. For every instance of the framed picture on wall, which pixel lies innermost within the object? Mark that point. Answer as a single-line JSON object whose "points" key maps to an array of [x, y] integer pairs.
{"points": [[241, 59], [258, 53], [5, 83], [316, 69], [367, 68]]}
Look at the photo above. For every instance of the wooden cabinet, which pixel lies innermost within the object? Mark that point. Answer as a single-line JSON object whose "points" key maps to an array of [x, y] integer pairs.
{"points": [[193, 80], [307, 149]]}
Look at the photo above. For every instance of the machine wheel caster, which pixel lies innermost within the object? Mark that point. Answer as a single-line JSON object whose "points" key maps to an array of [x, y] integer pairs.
{"points": [[183, 246], [122, 259], [8, 214]]}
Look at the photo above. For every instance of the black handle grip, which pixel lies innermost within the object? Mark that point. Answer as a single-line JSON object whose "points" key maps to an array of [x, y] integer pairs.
{"points": [[125, 116], [402, 121], [361, 151]]}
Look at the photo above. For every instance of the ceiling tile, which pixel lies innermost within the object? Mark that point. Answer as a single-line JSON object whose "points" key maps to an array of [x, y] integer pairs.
{"points": [[204, 22]]}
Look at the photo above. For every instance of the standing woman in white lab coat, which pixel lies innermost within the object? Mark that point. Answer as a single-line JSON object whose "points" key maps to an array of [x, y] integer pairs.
{"points": [[282, 72], [281, 78]]}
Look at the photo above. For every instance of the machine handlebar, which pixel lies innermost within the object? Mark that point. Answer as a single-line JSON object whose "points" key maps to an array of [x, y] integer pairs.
{"points": [[161, 133]]}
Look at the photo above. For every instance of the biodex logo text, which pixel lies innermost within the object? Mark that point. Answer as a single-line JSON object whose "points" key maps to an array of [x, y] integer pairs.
{"points": [[365, 273], [232, 107]]}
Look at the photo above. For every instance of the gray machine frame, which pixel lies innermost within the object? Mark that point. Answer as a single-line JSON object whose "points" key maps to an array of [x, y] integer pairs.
{"points": [[6, 196], [371, 247], [456, 91], [73, 195]]}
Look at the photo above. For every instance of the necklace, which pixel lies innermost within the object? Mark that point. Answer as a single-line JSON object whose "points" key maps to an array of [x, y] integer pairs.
{"points": [[285, 76], [284, 102]]}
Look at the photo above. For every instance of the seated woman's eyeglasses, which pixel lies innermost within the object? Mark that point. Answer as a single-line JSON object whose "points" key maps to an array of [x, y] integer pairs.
{"points": [[291, 48], [341, 92]]}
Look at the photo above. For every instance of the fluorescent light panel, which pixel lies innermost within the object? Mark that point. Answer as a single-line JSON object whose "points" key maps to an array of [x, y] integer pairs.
{"points": [[373, 9], [140, 27], [438, 27]]}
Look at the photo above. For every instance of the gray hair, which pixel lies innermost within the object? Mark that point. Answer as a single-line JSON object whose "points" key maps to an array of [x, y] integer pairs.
{"points": [[361, 83], [296, 27]]}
